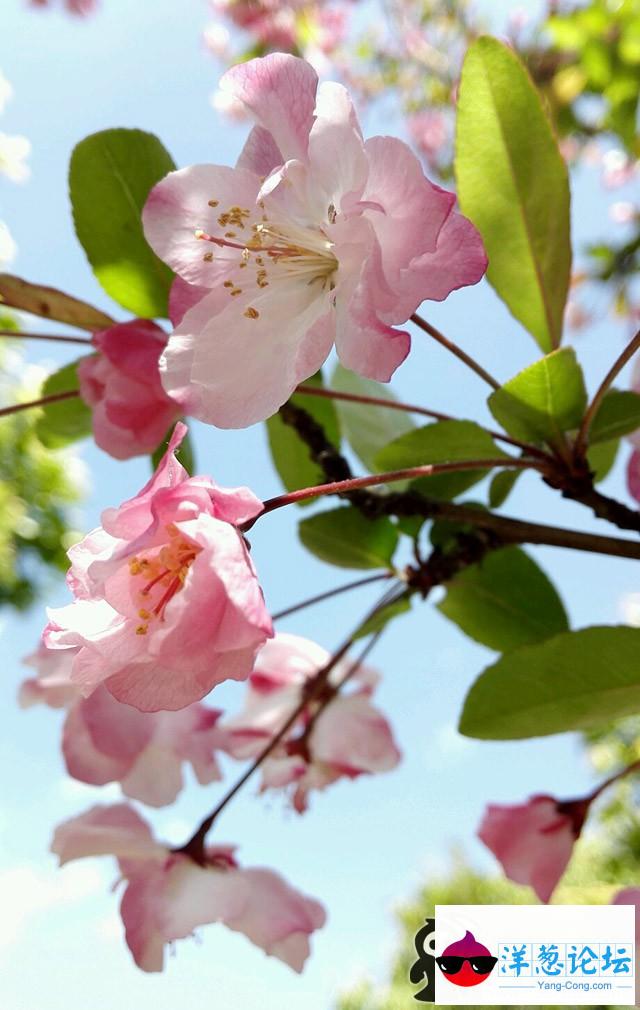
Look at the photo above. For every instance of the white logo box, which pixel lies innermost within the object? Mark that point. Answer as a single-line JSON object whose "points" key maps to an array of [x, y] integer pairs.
{"points": [[547, 954]]}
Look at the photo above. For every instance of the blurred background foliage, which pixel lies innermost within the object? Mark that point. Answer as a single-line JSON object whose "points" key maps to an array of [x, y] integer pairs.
{"points": [[38, 488]]}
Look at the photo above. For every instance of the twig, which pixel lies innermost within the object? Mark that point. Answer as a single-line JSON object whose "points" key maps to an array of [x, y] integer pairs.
{"points": [[329, 593], [411, 408], [454, 349], [62, 338], [42, 402], [582, 437]]}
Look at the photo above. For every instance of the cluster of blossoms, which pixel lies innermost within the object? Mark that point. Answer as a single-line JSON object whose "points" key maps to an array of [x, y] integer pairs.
{"points": [[316, 239], [312, 28], [167, 605]]}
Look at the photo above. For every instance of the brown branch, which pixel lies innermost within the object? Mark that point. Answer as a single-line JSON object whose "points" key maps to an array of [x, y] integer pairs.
{"points": [[414, 503], [412, 408]]}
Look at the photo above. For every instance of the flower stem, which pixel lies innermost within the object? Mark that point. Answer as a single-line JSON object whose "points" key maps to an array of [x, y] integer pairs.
{"points": [[411, 408], [331, 592], [194, 847], [454, 349], [62, 338], [42, 402], [582, 437], [629, 770], [372, 480]]}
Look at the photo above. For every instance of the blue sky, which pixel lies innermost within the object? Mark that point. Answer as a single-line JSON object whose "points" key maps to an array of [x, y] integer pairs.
{"points": [[362, 847]]}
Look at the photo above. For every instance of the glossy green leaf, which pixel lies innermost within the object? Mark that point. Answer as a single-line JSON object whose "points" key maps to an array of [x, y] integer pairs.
{"points": [[67, 420], [368, 428], [501, 486], [544, 400], [619, 414], [49, 303], [184, 453], [601, 458], [513, 185], [289, 453], [573, 681], [441, 442], [505, 601], [344, 537], [110, 177]]}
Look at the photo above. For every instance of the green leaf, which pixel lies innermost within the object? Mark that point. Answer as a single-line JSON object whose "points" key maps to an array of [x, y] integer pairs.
{"points": [[368, 428], [289, 453], [343, 537], [513, 185], [51, 304], [382, 618], [544, 400], [505, 601], [573, 681], [442, 442], [110, 177], [67, 420], [184, 453], [501, 486], [601, 458], [619, 414]]}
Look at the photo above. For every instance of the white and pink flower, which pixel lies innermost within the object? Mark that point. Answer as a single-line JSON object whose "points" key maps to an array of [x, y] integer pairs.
{"points": [[534, 840], [167, 600], [316, 238], [121, 383], [342, 735], [168, 895], [105, 741]]}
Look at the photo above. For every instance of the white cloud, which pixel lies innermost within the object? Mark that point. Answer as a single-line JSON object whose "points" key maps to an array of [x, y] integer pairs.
{"points": [[29, 890]]}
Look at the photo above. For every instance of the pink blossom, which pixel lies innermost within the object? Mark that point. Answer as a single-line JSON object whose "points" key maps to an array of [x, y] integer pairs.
{"points": [[80, 7], [347, 738], [534, 840], [105, 741], [167, 602], [316, 238], [633, 475], [631, 896], [131, 411], [429, 132], [52, 686], [633, 466], [168, 895]]}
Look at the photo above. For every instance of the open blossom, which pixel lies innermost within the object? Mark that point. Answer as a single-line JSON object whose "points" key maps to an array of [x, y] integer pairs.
{"points": [[534, 840], [347, 738], [316, 238], [168, 895], [105, 741], [167, 600], [121, 383]]}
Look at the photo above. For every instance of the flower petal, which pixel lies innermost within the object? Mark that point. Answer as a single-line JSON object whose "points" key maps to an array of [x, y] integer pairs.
{"points": [[280, 91]]}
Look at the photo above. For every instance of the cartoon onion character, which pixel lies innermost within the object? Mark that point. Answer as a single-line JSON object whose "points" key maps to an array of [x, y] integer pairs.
{"points": [[466, 962]]}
